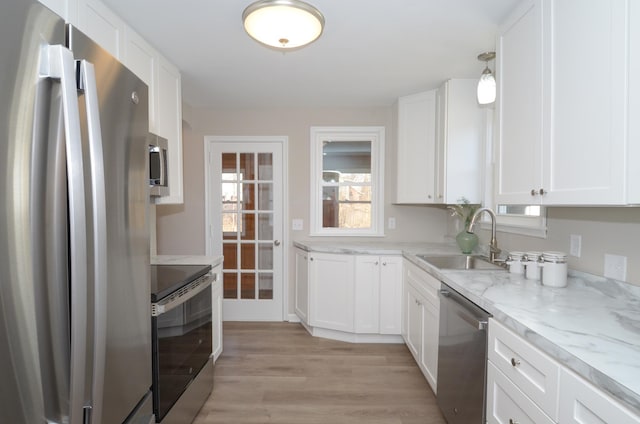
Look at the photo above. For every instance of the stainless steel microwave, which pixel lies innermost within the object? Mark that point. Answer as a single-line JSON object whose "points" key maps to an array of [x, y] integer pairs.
{"points": [[158, 168]]}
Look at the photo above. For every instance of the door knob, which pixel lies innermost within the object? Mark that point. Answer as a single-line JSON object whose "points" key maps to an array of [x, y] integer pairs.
{"points": [[276, 242]]}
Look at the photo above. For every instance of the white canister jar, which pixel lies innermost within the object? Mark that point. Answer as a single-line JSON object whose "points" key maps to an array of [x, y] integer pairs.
{"points": [[531, 265], [515, 262], [554, 269]]}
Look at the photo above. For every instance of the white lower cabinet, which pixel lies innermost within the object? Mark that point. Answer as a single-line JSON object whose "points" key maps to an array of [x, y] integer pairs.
{"points": [[524, 385], [216, 312], [582, 403], [356, 294], [331, 291], [421, 318]]}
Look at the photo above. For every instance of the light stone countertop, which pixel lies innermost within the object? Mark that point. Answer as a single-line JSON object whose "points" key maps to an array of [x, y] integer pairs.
{"points": [[186, 260], [592, 326]]}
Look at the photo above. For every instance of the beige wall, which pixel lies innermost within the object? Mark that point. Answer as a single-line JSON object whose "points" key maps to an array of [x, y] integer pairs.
{"points": [[181, 227]]}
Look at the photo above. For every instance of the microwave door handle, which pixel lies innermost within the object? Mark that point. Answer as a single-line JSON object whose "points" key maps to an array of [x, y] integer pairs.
{"points": [[99, 217], [58, 64]]}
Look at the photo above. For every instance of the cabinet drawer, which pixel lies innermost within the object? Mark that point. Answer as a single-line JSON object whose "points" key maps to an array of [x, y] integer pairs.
{"points": [[507, 404], [582, 403], [532, 371], [427, 285]]}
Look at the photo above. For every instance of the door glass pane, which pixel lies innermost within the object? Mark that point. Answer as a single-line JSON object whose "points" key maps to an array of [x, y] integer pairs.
{"points": [[265, 286], [265, 166], [247, 286], [228, 163], [230, 226], [229, 196], [265, 226], [248, 256], [247, 164], [248, 196], [265, 256], [230, 252], [230, 283], [248, 226], [265, 197]]}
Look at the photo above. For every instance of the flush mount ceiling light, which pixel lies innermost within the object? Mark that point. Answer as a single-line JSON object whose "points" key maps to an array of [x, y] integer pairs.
{"points": [[283, 24], [487, 83]]}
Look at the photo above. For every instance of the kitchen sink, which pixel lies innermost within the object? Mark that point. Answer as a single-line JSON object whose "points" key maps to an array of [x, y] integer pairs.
{"points": [[461, 262]]}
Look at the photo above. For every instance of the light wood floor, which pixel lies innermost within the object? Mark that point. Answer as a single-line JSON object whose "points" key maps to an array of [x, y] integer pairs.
{"points": [[277, 373]]}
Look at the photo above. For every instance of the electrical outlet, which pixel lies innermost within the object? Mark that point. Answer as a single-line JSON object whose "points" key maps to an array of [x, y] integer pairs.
{"points": [[297, 224], [615, 267], [575, 245], [392, 223]]}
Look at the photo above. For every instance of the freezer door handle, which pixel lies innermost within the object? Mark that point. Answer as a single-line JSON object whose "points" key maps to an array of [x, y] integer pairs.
{"points": [[87, 83], [58, 64]]}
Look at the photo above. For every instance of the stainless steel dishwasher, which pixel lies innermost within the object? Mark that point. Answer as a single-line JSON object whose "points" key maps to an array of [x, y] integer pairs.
{"points": [[462, 358]]}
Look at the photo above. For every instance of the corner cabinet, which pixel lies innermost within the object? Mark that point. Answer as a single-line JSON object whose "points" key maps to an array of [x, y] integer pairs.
{"points": [[349, 297], [440, 145], [566, 135], [421, 320]]}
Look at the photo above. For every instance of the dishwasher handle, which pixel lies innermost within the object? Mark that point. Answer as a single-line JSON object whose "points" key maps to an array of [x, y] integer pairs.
{"points": [[461, 312]]}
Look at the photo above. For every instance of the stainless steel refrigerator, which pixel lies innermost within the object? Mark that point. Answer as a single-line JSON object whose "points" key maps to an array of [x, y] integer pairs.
{"points": [[75, 337]]}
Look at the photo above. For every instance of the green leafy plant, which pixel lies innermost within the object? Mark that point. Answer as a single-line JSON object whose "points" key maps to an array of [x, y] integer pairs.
{"points": [[464, 210]]}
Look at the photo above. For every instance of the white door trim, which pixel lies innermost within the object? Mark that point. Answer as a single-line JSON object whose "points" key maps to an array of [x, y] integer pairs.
{"points": [[209, 140]]}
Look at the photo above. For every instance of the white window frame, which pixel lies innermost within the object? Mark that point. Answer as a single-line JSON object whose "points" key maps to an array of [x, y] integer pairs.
{"points": [[377, 137]]}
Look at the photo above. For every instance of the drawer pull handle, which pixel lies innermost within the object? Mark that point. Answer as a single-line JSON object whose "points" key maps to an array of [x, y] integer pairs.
{"points": [[512, 421], [515, 362]]}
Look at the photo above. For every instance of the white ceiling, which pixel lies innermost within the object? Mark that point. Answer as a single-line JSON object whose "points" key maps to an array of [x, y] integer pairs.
{"points": [[371, 52]]}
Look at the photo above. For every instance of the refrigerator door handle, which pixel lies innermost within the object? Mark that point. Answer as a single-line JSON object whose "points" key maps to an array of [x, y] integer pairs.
{"points": [[87, 83], [59, 64]]}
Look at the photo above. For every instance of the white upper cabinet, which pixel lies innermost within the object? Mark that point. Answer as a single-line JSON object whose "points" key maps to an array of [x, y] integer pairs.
{"points": [[565, 85], [459, 142], [66, 9], [440, 145], [103, 26], [142, 59], [416, 148]]}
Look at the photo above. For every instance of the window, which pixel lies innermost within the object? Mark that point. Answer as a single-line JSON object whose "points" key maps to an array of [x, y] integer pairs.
{"points": [[346, 181]]}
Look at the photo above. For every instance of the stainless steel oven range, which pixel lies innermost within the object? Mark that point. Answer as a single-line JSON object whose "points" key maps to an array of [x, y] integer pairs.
{"points": [[182, 340]]}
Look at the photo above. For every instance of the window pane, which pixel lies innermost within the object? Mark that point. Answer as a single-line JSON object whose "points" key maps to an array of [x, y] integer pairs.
{"points": [[347, 157], [265, 166], [229, 196], [247, 202], [230, 285], [265, 197], [228, 164], [248, 227], [247, 166], [355, 215], [230, 252], [330, 207], [247, 286], [265, 286], [230, 226], [265, 226], [265, 256], [248, 256], [355, 194], [526, 210]]}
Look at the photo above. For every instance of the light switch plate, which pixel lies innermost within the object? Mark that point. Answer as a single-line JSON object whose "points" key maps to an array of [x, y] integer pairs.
{"points": [[392, 223], [615, 267], [297, 224], [575, 245]]}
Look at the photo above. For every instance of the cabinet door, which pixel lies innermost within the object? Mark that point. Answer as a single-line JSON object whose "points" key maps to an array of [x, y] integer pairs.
{"points": [[331, 291], [413, 309], [581, 403], [141, 58], [507, 404], [584, 152], [302, 285], [216, 311], [519, 102], [102, 25], [429, 351], [391, 295], [169, 125], [60, 7], [367, 294], [416, 148]]}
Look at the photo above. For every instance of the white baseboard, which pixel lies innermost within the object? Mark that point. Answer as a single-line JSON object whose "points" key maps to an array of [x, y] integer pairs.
{"points": [[293, 318]]}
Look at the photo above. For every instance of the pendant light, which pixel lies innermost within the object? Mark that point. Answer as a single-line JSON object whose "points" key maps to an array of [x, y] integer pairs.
{"points": [[487, 83], [283, 24]]}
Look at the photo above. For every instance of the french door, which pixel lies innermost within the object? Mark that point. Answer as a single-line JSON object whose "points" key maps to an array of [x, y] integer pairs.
{"points": [[245, 207]]}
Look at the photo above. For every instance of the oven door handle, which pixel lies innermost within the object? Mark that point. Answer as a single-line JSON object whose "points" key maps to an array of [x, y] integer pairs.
{"points": [[182, 295]]}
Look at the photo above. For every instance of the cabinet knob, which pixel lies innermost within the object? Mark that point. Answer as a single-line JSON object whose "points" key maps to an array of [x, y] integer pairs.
{"points": [[376, 264], [311, 259], [512, 421], [429, 196], [542, 192], [534, 192], [384, 264], [515, 362]]}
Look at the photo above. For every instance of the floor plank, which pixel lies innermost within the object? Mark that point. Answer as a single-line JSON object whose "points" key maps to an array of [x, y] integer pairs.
{"points": [[277, 373]]}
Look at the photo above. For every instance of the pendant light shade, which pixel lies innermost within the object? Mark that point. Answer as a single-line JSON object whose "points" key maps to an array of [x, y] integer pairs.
{"points": [[487, 83], [283, 24]]}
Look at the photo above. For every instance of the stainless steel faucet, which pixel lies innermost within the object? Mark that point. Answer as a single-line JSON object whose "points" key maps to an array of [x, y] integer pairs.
{"points": [[493, 245]]}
